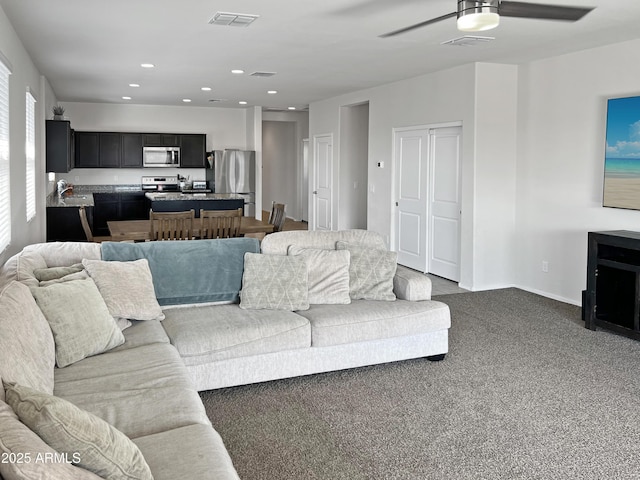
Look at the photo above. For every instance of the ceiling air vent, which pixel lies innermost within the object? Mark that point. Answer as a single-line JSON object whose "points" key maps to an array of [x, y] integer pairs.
{"points": [[262, 74], [468, 41], [233, 19]]}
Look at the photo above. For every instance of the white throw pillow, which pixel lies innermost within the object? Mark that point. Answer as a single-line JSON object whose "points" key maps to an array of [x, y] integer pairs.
{"points": [[79, 319], [127, 288], [328, 274]]}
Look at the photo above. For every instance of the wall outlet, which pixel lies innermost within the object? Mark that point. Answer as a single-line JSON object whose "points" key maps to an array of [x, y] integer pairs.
{"points": [[76, 178], [372, 188], [545, 266], [115, 178]]}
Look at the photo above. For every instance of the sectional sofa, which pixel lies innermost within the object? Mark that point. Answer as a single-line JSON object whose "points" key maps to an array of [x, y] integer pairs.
{"points": [[128, 333]]}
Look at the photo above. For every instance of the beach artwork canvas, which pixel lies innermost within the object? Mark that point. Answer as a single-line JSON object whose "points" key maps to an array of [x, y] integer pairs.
{"points": [[622, 155]]}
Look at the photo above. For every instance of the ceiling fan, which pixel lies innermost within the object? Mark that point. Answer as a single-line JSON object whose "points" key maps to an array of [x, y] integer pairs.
{"points": [[478, 15]]}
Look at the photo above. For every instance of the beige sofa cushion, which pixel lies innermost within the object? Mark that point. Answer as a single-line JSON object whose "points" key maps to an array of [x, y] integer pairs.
{"points": [[218, 332], [27, 349], [81, 323], [25, 456], [365, 320], [278, 243], [99, 447]]}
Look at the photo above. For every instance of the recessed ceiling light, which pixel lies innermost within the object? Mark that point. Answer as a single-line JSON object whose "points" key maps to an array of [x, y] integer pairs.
{"points": [[242, 102], [206, 89], [147, 65], [291, 108], [134, 85], [186, 100], [126, 98], [237, 71], [272, 92]]}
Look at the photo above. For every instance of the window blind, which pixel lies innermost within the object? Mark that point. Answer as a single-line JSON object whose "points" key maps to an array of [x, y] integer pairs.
{"points": [[5, 197], [30, 155]]}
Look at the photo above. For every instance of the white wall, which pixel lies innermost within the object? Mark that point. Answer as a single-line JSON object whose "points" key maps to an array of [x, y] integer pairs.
{"points": [[24, 77], [561, 132], [279, 168], [467, 94]]}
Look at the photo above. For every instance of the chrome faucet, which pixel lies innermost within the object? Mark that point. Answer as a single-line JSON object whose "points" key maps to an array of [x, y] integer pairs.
{"points": [[63, 186], [61, 192]]}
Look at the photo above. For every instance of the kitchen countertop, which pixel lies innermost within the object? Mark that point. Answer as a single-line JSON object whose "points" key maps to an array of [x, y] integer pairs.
{"points": [[160, 196], [83, 194]]}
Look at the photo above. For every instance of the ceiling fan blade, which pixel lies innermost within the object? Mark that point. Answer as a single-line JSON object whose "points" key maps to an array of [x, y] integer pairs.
{"points": [[418, 25], [542, 11]]}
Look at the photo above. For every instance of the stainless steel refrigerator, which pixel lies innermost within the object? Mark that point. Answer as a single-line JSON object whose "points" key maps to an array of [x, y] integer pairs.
{"points": [[234, 171]]}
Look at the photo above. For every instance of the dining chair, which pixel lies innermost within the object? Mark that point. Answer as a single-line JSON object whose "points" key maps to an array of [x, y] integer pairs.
{"points": [[220, 223], [172, 225], [277, 216], [82, 211]]}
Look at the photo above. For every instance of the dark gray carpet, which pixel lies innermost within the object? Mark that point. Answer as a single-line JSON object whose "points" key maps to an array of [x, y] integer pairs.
{"points": [[526, 392]]}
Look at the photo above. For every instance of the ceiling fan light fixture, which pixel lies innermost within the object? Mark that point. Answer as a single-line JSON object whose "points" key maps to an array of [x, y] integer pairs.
{"points": [[474, 16]]}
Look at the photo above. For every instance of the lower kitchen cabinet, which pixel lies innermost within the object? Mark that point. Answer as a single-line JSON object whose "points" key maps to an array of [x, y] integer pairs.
{"points": [[117, 206], [184, 205], [63, 224]]}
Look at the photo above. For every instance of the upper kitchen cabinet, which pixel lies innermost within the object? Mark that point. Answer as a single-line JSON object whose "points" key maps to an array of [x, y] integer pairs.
{"points": [[131, 150], [110, 150], [161, 140], [87, 149], [192, 150], [60, 146]]}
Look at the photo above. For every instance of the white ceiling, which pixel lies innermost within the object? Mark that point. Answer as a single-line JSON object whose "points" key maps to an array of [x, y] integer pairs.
{"points": [[91, 50]]}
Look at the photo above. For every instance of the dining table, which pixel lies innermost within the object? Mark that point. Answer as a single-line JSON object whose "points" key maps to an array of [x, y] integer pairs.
{"points": [[139, 230]]}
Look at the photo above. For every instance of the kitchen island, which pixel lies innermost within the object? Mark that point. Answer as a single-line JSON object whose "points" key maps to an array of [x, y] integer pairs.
{"points": [[178, 202]]}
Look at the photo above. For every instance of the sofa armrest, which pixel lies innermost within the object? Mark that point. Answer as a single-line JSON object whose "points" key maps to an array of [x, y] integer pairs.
{"points": [[411, 285]]}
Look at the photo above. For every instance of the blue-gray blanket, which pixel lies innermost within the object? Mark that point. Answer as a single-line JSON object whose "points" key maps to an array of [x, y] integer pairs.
{"points": [[193, 271]]}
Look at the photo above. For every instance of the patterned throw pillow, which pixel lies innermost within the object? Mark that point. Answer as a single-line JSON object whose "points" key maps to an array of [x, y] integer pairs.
{"points": [[274, 282], [328, 274], [371, 272], [92, 442]]}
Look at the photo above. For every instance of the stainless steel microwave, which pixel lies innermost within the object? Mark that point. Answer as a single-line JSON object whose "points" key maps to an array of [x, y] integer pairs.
{"points": [[160, 156]]}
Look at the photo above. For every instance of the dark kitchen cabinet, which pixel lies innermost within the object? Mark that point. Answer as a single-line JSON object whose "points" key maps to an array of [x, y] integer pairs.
{"points": [[117, 206], [131, 150], [161, 140], [59, 146], [63, 224], [192, 150], [87, 149], [183, 205], [109, 150]]}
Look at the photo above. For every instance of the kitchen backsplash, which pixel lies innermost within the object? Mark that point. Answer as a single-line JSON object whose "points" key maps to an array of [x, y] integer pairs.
{"points": [[119, 176]]}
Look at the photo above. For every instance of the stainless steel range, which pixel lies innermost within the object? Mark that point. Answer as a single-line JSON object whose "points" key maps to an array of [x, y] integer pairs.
{"points": [[167, 183]]}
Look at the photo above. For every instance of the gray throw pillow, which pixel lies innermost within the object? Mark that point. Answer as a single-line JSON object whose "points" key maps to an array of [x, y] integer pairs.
{"points": [[371, 272], [274, 282], [328, 274], [97, 446], [32, 457], [54, 273], [79, 319], [127, 288]]}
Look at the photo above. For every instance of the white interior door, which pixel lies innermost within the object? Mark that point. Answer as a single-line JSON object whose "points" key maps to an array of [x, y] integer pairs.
{"points": [[322, 181], [411, 169], [444, 209]]}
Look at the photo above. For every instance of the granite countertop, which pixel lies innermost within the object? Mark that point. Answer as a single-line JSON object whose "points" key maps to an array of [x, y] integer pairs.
{"points": [[160, 196], [83, 194]]}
